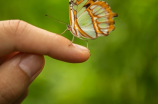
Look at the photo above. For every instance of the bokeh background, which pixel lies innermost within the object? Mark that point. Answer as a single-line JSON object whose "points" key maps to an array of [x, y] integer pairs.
{"points": [[122, 69]]}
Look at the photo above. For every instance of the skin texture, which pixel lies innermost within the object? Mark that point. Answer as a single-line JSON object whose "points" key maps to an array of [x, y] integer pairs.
{"points": [[22, 47]]}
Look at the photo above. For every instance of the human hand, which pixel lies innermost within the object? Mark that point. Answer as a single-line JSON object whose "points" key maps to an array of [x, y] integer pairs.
{"points": [[22, 47]]}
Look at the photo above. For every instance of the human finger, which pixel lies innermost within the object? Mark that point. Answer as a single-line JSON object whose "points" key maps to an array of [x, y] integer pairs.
{"points": [[17, 35], [16, 74]]}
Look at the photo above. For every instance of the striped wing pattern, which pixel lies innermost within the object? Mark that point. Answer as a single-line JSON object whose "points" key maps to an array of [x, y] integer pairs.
{"points": [[90, 18]]}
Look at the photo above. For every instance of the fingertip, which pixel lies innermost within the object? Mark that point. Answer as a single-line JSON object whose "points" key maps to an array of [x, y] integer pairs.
{"points": [[83, 51], [74, 53]]}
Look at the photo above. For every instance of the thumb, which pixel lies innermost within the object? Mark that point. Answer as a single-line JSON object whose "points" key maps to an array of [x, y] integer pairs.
{"points": [[16, 74]]}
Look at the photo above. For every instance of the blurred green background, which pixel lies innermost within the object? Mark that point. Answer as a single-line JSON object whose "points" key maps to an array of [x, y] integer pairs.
{"points": [[122, 69]]}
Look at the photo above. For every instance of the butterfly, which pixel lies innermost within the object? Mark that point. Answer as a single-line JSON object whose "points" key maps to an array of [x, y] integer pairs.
{"points": [[90, 19]]}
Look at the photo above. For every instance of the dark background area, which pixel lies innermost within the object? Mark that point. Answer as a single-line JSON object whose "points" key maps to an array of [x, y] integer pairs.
{"points": [[122, 69]]}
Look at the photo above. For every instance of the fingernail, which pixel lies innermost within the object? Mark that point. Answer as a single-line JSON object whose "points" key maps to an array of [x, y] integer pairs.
{"points": [[31, 64], [80, 47]]}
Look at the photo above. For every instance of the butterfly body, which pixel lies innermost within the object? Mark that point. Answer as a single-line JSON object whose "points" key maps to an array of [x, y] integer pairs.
{"points": [[90, 18]]}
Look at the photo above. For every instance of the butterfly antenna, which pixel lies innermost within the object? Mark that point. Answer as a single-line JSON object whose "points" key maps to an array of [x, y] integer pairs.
{"points": [[56, 19]]}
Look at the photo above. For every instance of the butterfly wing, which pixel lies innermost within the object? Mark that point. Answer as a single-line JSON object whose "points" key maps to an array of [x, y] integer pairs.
{"points": [[90, 18], [102, 17], [77, 12], [76, 6]]}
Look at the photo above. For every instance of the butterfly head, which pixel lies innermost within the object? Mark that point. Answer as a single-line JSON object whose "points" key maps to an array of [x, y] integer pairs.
{"points": [[68, 27]]}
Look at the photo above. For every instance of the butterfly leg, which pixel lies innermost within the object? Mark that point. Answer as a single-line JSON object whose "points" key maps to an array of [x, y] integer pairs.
{"points": [[85, 40], [79, 38], [87, 44], [73, 39], [64, 32]]}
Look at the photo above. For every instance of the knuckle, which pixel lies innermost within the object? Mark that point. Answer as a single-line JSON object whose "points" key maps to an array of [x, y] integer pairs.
{"points": [[15, 31], [14, 27]]}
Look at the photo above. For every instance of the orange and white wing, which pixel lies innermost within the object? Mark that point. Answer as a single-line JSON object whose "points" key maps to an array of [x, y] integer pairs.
{"points": [[91, 18]]}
